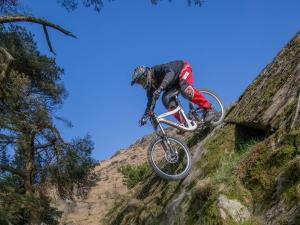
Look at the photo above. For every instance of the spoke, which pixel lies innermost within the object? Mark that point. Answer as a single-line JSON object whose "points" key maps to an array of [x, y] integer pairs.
{"points": [[170, 164]]}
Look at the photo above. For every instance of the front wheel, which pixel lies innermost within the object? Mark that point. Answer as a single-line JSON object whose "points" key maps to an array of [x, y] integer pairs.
{"points": [[170, 158]]}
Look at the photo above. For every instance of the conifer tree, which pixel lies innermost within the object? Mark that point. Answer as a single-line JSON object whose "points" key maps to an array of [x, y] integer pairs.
{"points": [[34, 156]]}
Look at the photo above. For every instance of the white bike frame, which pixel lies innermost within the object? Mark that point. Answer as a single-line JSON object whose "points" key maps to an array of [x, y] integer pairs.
{"points": [[190, 125]]}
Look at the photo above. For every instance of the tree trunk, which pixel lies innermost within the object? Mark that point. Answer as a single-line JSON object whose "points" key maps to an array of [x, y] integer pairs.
{"points": [[34, 211], [5, 62]]}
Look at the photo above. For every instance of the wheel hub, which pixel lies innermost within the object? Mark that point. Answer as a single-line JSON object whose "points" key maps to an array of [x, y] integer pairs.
{"points": [[172, 157]]}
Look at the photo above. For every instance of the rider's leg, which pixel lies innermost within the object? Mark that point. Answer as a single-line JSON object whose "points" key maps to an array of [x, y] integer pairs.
{"points": [[170, 104], [187, 89]]}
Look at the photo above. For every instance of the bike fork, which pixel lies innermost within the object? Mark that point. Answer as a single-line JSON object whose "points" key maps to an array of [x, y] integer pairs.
{"points": [[165, 143]]}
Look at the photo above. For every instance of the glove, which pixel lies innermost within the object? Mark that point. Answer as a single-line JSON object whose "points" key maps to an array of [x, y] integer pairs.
{"points": [[156, 93], [143, 120]]}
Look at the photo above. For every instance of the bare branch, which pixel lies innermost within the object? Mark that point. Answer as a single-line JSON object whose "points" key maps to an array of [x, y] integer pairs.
{"points": [[48, 39], [22, 18]]}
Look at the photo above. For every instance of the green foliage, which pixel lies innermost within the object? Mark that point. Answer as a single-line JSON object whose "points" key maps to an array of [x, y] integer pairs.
{"points": [[41, 71], [133, 174], [198, 136], [74, 169], [270, 168], [210, 213], [33, 153], [221, 144], [15, 206]]}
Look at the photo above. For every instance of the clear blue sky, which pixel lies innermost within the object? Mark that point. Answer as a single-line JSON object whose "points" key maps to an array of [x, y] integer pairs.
{"points": [[227, 42]]}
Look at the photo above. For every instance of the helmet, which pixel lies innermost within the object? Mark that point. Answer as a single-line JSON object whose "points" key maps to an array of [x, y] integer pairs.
{"points": [[140, 76]]}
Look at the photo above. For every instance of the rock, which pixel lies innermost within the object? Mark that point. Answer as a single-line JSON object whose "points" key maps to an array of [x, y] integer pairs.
{"points": [[134, 204], [233, 208], [270, 102], [202, 185]]}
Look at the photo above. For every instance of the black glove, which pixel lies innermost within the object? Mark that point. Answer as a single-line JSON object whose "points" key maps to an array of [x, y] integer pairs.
{"points": [[156, 93], [143, 120]]}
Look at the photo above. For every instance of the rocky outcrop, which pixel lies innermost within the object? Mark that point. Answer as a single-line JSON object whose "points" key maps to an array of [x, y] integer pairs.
{"points": [[270, 101]]}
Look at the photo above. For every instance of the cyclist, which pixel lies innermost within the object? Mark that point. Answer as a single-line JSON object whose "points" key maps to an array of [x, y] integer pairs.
{"points": [[169, 78]]}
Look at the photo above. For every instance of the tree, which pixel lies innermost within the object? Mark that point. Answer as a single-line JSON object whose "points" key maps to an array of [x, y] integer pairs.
{"points": [[34, 156]]}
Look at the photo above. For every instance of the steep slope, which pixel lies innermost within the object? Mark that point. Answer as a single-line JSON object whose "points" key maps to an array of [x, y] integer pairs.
{"points": [[109, 189], [269, 102], [245, 172]]}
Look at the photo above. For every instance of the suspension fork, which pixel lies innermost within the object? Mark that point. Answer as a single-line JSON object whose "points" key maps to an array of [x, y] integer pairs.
{"points": [[161, 133]]}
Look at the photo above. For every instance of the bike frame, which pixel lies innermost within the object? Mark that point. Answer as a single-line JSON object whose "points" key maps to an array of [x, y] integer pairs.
{"points": [[190, 125]]}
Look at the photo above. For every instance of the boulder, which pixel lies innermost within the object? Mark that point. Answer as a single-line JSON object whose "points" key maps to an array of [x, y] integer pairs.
{"points": [[233, 208]]}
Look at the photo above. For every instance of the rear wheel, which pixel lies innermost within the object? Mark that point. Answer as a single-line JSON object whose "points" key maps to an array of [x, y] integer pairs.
{"points": [[170, 158], [197, 114]]}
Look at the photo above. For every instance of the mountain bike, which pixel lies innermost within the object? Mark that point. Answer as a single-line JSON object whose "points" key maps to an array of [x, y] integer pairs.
{"points": [[169, 157]]}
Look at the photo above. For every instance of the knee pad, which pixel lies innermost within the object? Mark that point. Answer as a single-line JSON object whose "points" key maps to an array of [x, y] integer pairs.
{"points": [[188, 92]]}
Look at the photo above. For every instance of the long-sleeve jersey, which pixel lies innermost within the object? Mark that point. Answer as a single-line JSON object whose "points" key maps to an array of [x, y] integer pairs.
{"points": [[165, 76]]}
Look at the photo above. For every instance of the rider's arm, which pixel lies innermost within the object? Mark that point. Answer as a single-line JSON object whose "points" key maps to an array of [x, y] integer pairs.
{"points": [[169, 78], [150, 102]]}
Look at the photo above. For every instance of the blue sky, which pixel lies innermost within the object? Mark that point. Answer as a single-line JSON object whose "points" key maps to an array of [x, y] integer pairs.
{"points": [[227, 42]]}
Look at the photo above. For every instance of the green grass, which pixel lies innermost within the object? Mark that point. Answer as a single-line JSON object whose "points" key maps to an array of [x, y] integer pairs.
{"points": [[133, 174]]}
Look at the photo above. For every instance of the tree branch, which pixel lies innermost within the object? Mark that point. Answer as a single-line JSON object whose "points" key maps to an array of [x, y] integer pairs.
{"points": [[48, 39], [22, 18], [43, 22], [44, 145], [12, 170]]}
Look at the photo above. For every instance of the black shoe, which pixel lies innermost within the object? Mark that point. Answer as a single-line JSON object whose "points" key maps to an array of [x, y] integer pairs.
{"points": [[209, 115]]}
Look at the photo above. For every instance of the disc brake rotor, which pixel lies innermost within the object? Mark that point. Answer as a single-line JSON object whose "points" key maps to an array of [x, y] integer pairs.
{"points": [[171, 157]]}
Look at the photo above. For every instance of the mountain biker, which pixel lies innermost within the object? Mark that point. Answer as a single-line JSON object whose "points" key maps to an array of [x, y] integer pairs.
{"points": [[169, 78]]}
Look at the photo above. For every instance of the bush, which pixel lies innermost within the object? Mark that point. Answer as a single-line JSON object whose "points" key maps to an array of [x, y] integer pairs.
{"points": [[133, 174]]}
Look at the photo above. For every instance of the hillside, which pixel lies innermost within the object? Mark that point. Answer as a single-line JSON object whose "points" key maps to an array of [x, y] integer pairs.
{"points": [[109, 188], [246, 171]]}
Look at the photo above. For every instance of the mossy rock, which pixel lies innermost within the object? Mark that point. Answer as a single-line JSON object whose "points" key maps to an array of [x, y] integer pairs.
{"points": [[269, 102]]}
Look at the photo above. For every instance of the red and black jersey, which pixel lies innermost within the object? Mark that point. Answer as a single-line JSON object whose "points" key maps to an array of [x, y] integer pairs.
{"points": [[165, 76]]}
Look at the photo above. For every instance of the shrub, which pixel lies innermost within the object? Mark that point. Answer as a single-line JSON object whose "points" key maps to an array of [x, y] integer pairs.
{"points": [[133, 174]]}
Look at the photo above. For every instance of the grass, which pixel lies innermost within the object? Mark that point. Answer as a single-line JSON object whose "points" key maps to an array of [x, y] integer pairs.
{"points": [[133, 174], [240, 163]]}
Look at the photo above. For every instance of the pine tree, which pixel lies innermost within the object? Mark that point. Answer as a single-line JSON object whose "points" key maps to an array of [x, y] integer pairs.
{"points": [[34, 156]]}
